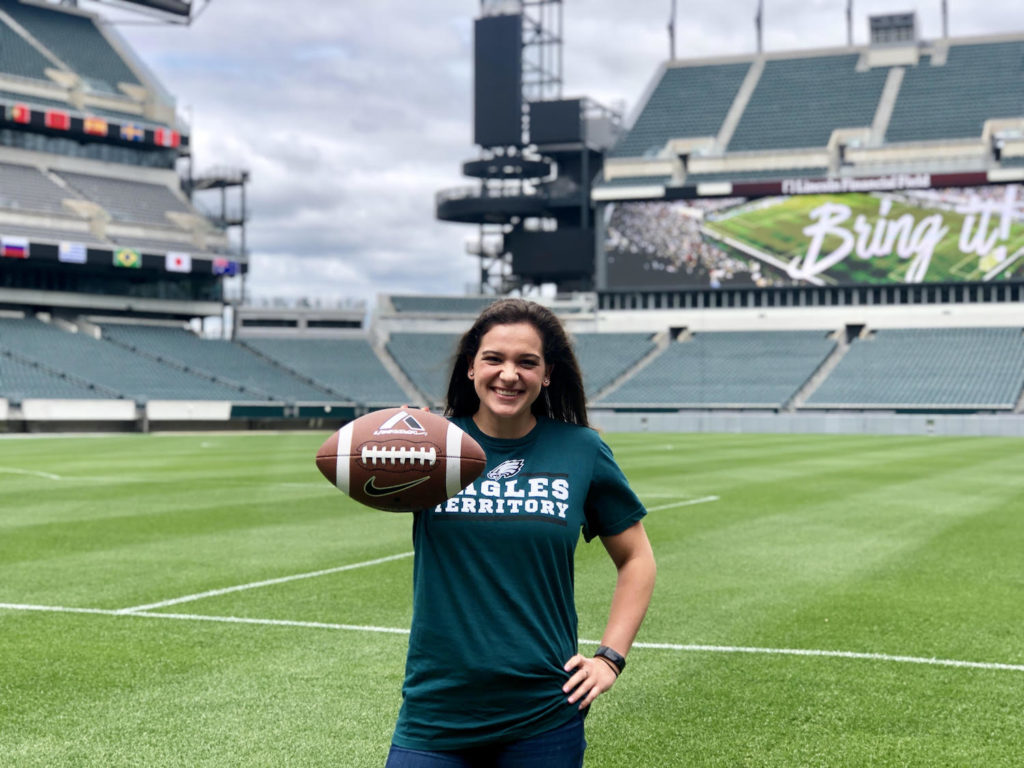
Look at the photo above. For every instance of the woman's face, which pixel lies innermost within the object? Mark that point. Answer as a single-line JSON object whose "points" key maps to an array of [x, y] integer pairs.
{"points": [[508, 373]]}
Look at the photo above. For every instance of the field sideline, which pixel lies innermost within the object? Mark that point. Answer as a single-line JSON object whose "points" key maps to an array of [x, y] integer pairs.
{"points": [[209, 600]]}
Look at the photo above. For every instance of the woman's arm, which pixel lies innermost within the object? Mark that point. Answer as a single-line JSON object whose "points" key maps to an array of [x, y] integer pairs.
{"points": [[634, 560]]}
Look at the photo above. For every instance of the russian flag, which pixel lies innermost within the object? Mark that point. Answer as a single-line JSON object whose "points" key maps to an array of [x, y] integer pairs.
{"points": [[14, 247]]}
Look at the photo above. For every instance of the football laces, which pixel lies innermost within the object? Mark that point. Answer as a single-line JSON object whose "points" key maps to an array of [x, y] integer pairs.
{"points": [[379, 455]]}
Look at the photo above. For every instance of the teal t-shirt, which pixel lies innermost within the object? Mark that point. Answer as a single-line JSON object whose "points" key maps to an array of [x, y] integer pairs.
{"points": [[494, 616]]}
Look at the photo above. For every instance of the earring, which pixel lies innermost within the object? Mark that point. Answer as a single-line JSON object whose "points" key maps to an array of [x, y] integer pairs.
{"points": [[546, 382]]}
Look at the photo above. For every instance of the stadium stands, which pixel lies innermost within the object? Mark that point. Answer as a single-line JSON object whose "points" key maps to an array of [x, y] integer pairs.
{"points": [[604, 357], [106, 365], [20, 380], [785, 109], [688, 101], [755, 369], [426, 358], [24, 187], [76, 41], [928, 368], [445, 305], [128, 201], [17, 56], [348, 367], [224, 360], [952, 101]]}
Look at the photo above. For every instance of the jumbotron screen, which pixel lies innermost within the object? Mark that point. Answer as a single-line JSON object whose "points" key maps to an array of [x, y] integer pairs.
{"points": [[963, 234]]}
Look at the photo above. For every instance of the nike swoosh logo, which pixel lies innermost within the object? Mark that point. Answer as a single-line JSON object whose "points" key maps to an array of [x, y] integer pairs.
{"points": [[370, 487]]}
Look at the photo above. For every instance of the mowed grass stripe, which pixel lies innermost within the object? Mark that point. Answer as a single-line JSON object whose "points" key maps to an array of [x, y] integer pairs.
{"points": [[906, 546]]}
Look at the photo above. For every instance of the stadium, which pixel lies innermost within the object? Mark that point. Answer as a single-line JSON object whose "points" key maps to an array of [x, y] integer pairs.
{"points": [[803, 338]]}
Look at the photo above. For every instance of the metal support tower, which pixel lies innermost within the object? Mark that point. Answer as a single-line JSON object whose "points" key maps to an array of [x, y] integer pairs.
{"points": [[541, 80]]}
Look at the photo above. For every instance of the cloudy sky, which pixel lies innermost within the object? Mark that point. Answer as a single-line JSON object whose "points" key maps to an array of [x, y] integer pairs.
{"points": [[351, 114]]}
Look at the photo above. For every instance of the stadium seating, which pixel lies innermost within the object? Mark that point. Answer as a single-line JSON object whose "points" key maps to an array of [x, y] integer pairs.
{"points": [[966, 368], [603, 357], [18, 57], [106, 365], [786, 109], [76, 41], [761, 369], [348, 367], [20, 380], [952, 101], [687, 102], [445, 305], [426, 358], [26, 188], [228, 362], [133, 202]]}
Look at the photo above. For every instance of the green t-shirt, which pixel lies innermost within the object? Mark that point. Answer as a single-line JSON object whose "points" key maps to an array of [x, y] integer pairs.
{"points": [[494, 618]]}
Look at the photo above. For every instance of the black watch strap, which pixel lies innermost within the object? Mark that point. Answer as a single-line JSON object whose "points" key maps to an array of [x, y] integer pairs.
{"points": [[613, 656]]}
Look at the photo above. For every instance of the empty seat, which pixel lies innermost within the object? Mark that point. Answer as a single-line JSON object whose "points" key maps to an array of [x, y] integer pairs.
{"points": [[75, 40], [799, 102], [688, 101], [728, 369], [128, 201], [106, 365], [967, 368], [426, 358], [225, 360], [349, 367]]}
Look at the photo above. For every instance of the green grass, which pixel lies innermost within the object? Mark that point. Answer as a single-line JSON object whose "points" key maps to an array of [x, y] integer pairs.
{"points": [[900, 546]]}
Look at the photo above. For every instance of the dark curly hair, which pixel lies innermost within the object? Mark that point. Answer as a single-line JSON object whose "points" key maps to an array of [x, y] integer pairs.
{"points": [[562, 400]]}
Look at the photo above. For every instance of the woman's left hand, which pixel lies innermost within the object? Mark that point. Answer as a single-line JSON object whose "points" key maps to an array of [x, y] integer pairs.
{"points": [[592, 678]]}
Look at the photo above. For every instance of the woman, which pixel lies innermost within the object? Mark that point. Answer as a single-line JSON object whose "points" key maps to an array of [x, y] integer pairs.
{"points": [[493, 677]]}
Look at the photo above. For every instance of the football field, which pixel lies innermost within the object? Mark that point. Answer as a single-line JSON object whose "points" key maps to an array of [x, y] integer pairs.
{"points": [[209, 600]]}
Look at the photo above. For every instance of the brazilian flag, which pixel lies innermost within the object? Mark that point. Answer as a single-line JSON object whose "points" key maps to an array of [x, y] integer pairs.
{"points": [[128, 257]]}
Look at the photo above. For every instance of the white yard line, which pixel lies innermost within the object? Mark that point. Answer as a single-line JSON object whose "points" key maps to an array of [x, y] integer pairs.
{"points": [[996, 666], [265, 583], [34, 473], [685, 503], [829, 654]]}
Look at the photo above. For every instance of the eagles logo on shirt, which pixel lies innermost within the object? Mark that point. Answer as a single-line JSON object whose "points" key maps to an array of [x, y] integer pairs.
{"points": [[506, 469]]}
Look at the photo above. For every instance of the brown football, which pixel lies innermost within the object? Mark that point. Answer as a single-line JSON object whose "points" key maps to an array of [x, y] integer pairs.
{"points": [[400, 459]]}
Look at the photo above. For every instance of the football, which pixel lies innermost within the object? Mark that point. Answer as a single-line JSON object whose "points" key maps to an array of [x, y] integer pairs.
{"points": [[400, 459]]}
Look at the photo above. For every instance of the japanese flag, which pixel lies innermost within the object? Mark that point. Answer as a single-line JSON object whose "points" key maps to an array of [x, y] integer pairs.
{"points": [[178, 262]]}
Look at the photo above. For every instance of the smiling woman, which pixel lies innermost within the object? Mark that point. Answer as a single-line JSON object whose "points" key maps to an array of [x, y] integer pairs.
{"points": [[493, 676]]}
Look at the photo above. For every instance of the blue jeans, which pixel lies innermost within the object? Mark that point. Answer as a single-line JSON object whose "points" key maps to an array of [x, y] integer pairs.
{"points": [[560, 748]]}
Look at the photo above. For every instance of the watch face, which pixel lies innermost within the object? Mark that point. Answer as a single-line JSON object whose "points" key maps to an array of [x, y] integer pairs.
{"points": [[613, 656]]}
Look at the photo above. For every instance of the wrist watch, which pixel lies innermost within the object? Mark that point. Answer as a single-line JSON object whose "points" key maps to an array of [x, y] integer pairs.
{"points": [[613, 656]]}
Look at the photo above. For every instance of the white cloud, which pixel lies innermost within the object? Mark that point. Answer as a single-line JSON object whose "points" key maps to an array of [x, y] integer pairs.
{"points": [[352, 115]]}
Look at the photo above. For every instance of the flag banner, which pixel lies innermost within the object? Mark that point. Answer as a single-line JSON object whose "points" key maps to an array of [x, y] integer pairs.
{"points": [[57, 120], [166, 137], [71, 253], [130, 132], [96, 126], [14, 247], [128, 257], [225, 267], [178, 262], [19, 113]]}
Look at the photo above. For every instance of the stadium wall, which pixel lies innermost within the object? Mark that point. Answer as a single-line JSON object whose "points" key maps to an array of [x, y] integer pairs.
{"points": [[946, 425], [812, 318]]}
